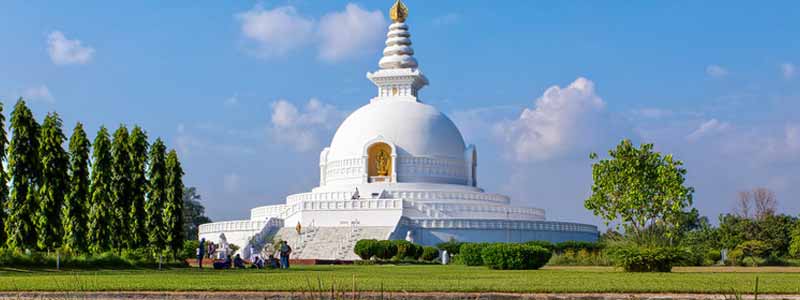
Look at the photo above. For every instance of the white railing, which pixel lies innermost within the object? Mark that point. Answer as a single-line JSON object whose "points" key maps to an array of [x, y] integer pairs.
{"points": [[266, 212], [228, 226], [503, 224], [367, 204]]}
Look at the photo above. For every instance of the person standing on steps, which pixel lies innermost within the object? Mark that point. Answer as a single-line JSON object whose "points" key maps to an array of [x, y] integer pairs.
{"points": [[285, 251]]}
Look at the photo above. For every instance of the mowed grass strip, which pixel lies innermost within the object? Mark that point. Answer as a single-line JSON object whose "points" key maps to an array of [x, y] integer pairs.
{"points": [[410, 278]]}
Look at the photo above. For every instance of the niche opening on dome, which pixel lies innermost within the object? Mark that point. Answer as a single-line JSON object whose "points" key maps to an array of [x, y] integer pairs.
{"points": [[380, 162]]}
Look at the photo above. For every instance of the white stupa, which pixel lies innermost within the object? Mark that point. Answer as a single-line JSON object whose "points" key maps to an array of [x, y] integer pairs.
{"points": [[397, 168]]}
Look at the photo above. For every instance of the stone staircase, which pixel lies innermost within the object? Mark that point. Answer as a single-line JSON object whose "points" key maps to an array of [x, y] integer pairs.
{"points": [[329, 242]]}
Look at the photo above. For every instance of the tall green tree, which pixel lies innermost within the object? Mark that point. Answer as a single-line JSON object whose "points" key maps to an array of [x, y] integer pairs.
{"points": [[24, 168], [54, 182], [3, 176], [641, 189], [173, 210], [76, 205], [102, 212], [194, 214], [157, 197], [138, 216], [122, 188]]}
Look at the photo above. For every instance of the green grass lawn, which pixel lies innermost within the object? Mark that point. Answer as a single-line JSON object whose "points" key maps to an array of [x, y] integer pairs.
{"points": [[410, 278]]}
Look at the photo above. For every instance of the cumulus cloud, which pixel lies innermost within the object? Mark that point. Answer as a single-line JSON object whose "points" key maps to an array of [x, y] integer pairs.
{"points": [[64, 51], [708, 128], [788, 70], [277, 31], [716, 71], [39, 93], [303, 129], [338, 35], [350, 32], [561, 120]]}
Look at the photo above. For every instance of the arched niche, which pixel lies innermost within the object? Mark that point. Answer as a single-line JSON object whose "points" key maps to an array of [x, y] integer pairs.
{"points": [[380, 162]]}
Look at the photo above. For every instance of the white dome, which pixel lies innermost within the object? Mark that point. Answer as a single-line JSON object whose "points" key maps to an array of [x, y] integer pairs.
{"points": [[414, 128]]}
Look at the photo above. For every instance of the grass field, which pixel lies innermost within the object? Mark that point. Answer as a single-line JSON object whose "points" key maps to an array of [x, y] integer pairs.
{"points": [[411, 278]]}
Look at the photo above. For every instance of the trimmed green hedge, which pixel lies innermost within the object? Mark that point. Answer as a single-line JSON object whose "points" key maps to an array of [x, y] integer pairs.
{"points": [[108, 260], [385, 249], [407, 250], [470, 253], [429, 253], [506, 256], [366, 249]]}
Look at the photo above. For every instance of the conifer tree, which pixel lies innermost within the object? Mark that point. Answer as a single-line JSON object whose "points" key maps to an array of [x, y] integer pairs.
{"points": [[138, 216], [102, 212], [157, 196], [24, 169], [122, 189], [54, 163], [173, 212], [76, 204], [3, 176]]}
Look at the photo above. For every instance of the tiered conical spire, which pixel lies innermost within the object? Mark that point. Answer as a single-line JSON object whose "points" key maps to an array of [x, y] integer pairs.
{"points": [[398, 53], [398, 79]]}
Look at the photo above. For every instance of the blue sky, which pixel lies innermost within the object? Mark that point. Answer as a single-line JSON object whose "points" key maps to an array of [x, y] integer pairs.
{"points": [[250, 92]]}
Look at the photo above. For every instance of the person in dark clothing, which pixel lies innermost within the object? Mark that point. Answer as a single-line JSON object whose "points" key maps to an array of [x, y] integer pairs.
{"points": [[238, 262], [201, 252], [285, 251], [258, 263], [221, 265]]}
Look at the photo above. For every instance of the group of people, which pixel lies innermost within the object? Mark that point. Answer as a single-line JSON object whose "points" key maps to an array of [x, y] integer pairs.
{"points": [[283, 249]]}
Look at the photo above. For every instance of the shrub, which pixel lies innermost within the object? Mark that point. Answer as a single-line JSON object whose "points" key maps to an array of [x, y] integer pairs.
{"points": [[452, 247], [365, 249], [385, 249], [189, 249], [504, 256], [429, 253], [407, 250], [713, 255], [470, 253], [751, 253], [633, 258], [544, 244]]}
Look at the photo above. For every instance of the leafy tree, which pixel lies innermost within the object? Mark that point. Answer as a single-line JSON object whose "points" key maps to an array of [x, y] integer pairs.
{"points": [[76, 205], [3, 176], [776, 232], [157, 197], [54, 182], [173, 210], [122, 189], [640, 188], [138, 216], [102, 210], [193, 213], [24, 168], [794, 248]]}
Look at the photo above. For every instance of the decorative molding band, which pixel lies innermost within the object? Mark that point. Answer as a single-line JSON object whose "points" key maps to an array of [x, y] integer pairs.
{"points": [[500, 224]]}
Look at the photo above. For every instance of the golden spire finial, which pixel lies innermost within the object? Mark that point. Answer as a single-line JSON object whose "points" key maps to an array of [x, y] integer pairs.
{"points": [[398, 12]]}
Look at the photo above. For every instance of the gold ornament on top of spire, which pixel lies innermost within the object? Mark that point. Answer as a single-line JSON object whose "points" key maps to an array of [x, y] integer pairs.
{"points": [[398, 12]]}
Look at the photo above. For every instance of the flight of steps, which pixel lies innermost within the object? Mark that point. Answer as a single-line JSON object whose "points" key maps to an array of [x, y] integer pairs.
{"points": [[329, 242]]}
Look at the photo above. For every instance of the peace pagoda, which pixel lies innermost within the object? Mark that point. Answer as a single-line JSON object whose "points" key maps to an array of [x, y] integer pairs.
{"points": [[397, 168]]}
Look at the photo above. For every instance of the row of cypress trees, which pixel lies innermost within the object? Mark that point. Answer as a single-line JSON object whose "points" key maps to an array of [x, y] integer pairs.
{"points": [[129, 195]]}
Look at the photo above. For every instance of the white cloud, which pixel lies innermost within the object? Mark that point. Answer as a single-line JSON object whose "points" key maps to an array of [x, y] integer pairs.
{"points": [[563, 120], [338, 35], [64, 51], [277, 31], [350, 32], [303, 129], [708, 128], [40, 93], [788, 70], [716, 71]]}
